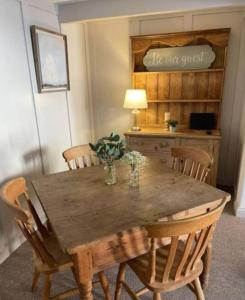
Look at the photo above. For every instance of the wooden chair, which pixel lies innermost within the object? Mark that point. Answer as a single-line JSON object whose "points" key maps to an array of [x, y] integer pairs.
{"points": [[80, 156], [192, 162], [171, 267], [47, 256]]}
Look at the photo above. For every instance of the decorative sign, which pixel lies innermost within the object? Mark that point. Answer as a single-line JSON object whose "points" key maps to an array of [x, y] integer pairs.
{"points": [[179, 58]]}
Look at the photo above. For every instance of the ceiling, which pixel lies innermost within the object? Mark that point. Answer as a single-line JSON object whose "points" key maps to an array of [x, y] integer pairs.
{"points": [[67, 1]]}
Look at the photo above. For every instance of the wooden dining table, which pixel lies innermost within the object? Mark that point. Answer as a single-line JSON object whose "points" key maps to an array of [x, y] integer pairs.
{"points": [[102, 225]]}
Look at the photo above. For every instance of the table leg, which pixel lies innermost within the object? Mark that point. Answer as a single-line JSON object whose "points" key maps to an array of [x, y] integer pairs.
{"points": [[84, 273], [207, 257]]}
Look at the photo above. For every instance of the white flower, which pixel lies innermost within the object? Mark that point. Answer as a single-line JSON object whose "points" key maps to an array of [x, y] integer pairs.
{"points": [[133, 158]]}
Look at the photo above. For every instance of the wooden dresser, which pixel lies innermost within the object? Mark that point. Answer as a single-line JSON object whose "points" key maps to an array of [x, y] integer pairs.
{"points": [[179, 92], [150, 141]]}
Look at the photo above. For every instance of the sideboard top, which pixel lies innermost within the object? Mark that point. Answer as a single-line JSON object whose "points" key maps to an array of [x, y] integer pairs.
{"points": [[158, 132]]}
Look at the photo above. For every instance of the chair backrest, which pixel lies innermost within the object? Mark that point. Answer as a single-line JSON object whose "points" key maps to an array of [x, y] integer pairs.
{"points": [[193, 162], [198, 230], [79, 157], [13, 193]]}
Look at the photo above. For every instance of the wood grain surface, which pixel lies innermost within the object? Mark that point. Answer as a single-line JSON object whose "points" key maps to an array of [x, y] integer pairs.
{"points": [[82, 209], [180, 92]]}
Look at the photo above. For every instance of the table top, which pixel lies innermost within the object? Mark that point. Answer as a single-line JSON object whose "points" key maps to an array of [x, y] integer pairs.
{"points": [[83, 209]]}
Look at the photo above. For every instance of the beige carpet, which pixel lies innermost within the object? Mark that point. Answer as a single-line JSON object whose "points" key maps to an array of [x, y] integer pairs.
{"points": [[227, 278]]}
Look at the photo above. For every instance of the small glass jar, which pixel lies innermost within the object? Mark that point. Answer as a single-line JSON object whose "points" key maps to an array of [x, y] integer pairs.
{"points": [[134, 175], [110, 174]]}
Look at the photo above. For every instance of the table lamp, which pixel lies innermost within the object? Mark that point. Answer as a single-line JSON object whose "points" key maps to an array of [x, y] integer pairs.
{"points": [[135, 99]]}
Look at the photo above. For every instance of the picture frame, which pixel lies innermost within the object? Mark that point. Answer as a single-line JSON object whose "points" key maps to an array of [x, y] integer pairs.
{"points": [[50, 59]]}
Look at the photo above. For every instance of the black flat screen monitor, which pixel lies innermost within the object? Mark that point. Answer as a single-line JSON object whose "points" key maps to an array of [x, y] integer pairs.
{"points": [[202, 121]]}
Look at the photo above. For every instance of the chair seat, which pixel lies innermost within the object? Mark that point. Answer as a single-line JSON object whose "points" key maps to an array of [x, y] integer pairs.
{"points": [[62, 259], [140, 266]]}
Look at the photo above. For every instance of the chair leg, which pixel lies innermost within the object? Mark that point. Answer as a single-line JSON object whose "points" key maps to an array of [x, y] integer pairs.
{"points": [[36, 276], [198, 288], [47, 286], [105, 285], [120, 278], [207, 258], [157, 296], [75, 275]]}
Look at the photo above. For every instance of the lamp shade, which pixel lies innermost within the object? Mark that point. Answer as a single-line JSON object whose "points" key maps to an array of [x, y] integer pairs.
{"points": [[135, 98]]}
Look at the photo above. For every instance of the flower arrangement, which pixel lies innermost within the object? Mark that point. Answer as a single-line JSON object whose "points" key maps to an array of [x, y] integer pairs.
{"points": [[133, 158], [109, 148]]}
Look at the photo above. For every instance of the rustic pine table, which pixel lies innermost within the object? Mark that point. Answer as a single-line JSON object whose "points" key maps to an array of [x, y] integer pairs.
{"points": [[101, 225]]}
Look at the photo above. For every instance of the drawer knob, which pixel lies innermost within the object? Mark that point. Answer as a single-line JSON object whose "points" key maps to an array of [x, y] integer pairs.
{"points": [[156, 147]]}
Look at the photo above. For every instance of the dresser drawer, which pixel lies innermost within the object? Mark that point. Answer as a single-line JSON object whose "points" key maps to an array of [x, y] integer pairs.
{"points": [[199, 143], [150, 144], [159, 147]]}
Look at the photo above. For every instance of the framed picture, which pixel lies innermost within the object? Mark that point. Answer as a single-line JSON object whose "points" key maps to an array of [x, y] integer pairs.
{"points": [[51, 60]]}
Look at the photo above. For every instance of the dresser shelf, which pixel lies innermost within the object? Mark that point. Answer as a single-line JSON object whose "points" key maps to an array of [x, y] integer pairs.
{"points": [[185, 100], [180, 71]]}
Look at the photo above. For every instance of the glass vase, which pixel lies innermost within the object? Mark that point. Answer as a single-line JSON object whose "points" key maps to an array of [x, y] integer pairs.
{"points": [[134, 175], [110, 174]]}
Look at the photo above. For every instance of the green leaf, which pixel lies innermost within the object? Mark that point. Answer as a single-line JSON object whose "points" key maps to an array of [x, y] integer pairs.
{"points": [[109, 148], [92, 147], [116, 138]]}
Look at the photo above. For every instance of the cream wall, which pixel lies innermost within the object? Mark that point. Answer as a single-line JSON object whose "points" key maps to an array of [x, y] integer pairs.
{"points": [[240, 192], [110, 65], [110, 74], [34, 128], [240, 186]]}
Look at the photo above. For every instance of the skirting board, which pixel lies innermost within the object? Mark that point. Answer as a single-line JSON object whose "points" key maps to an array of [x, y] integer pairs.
{"points": [[240, 212]]}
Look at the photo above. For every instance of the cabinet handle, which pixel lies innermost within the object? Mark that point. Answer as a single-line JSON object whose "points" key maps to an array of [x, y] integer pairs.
{"points": [[155, 147]]}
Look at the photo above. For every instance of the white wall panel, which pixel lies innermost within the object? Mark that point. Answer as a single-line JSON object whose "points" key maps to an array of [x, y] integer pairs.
{"points": [[51, 108], [78, 96], [19, 145], [240, 188], [231, 107], [162, 25], [34, 128], [240, 95]]}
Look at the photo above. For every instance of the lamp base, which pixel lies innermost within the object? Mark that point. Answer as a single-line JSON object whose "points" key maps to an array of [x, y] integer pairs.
{"points": [[135, 128], [135, 112]]}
